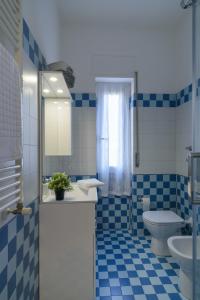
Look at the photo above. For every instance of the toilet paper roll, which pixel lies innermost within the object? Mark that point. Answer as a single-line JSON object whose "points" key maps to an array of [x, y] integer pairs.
{"points": [[146, 203]]}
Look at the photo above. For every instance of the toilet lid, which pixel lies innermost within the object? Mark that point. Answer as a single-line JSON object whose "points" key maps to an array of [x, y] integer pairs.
{"points": [[161, 217]]}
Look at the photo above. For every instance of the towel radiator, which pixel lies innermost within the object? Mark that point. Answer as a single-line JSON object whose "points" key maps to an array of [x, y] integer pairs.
{"points": [[10, 184], [11, 188]]}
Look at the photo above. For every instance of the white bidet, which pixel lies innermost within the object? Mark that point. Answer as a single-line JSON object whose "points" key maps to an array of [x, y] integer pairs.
{"points": [[180, 248]]}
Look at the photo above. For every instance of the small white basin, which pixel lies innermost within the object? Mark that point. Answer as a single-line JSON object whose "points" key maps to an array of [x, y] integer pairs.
{"points": [[181, 249]]}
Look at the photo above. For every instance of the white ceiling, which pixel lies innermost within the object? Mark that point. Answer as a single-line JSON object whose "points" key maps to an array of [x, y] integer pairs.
{"points": [[121, 12]]}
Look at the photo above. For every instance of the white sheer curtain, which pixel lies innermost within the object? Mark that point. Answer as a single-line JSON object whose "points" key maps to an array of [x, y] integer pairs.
{"points": [[113, 138]]}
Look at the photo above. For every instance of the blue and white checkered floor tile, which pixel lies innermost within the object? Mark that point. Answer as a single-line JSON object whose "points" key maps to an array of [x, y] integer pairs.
{"points": [[128, 270]]}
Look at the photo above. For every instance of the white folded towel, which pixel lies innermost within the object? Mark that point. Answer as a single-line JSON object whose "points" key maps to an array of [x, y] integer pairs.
{"points": [[86, 184]]}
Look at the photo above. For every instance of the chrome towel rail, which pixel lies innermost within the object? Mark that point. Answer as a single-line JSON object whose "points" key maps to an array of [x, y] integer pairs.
{"points": [[10, 177], [6, 206], [9, 186], [10, 195], [10, 168]]}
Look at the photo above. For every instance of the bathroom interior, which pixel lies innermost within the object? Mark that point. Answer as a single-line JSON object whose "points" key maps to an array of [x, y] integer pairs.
{"points": [[99, 150]]}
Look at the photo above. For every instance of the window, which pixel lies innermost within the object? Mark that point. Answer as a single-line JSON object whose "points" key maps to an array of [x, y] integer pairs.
{"points": [[113, 123], [113, 137]]}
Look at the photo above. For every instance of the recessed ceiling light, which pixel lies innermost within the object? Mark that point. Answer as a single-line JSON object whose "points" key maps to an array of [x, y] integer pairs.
{"points": [[53, 79], [46, 91], [59, 107], [55, 102], [59, 91]]}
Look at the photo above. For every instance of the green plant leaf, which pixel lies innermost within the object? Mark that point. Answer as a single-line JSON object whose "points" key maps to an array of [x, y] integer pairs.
{"points": [[60, 181]]}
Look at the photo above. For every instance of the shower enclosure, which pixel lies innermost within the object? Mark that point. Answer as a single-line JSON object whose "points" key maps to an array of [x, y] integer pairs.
{"points": [[195, 156]]}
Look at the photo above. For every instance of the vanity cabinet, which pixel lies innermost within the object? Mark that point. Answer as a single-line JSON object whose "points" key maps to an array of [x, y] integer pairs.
{"points": [[67, 250]]}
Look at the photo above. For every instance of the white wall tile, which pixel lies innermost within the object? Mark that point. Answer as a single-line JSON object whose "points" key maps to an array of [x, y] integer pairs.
{"points": [[155, 167], [157, 145]]}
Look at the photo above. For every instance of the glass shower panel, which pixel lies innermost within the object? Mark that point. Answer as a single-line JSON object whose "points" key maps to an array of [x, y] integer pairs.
{"points": [[196, 149]]}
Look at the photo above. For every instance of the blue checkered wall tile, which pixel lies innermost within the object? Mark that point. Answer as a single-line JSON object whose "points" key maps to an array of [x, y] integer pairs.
{"points": [[112, 213], [166, 191], [184, 207], [145, 100], [32, 49], [19, 257], [156, 100], [184, 96], [84, 100], [125, 213], [160, 188]]}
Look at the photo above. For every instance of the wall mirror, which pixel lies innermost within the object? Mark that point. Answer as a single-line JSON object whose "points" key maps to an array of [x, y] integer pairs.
{"points": [[55, 125]]}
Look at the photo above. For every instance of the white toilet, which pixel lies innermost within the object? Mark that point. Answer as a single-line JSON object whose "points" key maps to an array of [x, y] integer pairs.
{"points": [[162, 224]]}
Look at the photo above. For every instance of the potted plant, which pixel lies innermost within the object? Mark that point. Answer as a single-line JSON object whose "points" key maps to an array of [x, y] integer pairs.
{"points": [[60, 182]]}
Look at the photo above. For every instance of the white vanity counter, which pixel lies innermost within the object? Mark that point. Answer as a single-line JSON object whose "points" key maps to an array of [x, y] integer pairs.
{"points": [[68, 246], [77, 195]]}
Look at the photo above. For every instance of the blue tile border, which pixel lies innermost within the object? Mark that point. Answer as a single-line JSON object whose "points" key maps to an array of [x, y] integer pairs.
{"points": [[144, 99], [184, 96], [32, 49], [84, 100], [155, 100]]}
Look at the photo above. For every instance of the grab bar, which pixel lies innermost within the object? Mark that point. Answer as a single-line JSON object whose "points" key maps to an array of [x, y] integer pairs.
{"points": [[137, 151]]}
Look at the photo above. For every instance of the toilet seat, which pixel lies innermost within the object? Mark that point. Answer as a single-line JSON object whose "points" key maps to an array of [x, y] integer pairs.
{"points": [[162, 217]]}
